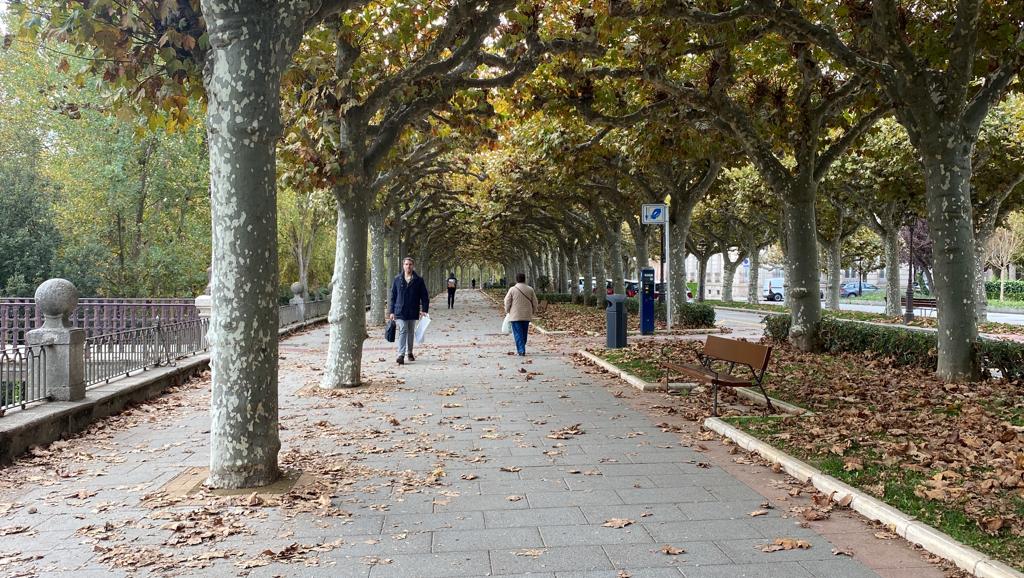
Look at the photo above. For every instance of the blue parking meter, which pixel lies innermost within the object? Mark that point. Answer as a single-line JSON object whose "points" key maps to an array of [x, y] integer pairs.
{"points": [[647, 301]]}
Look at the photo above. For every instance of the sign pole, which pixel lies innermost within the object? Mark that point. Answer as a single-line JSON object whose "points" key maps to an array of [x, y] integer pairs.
{"points": [[665, 280]]}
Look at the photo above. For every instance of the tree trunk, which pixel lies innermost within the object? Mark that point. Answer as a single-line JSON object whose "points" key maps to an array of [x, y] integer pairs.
{"points": [[348, 293], [244, 440], [589, 283], [378, 271], [802, 268], [574, 272], [980, 295], [728, 276], [679, 230], [835, 273], [753, 291], [602, 278], [891, 245], [640, 245], [618, 271], [1002, 285], [947, 168], [702, 276]]}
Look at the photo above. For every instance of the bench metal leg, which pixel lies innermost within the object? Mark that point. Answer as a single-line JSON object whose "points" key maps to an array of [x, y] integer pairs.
{"points": [[767, 399], [714, 402]]}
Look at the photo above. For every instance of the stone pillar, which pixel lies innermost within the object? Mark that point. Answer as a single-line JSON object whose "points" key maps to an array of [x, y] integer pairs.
{"points": [[63, 344], [297, 290], [204, 302]]}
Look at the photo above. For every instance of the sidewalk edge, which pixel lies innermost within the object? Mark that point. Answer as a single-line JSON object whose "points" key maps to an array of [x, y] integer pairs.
{"points": [[906, 526]]}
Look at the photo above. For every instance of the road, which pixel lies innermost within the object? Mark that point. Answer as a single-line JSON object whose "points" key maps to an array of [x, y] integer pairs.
{"points": [[746, 319], [1013, 318]]}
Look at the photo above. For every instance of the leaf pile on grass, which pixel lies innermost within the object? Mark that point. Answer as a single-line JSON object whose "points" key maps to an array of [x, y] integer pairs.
{"points": [[952, 454], [583, 320]]}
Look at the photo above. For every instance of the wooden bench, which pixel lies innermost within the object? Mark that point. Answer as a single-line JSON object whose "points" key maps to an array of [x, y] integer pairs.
{"points": [[920, 303], [728, 353]]}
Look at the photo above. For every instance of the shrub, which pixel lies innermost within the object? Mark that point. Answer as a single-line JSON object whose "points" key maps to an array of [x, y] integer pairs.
{"points": [[577, 299], [555, 297], [698, 315], [1014, 290], [776, 327], [903, 346], [543, 282], [590, 300], [1006, 356]]}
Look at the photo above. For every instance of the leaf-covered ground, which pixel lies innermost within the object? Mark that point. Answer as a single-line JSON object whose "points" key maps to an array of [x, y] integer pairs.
{"points": [[583, 320], [951, 454]]}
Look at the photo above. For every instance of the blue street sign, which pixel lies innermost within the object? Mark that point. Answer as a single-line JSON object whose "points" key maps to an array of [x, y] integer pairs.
{"points": [[654, 214]]}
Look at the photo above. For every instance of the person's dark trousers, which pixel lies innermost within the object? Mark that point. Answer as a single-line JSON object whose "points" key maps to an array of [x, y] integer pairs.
{"points": [[451, 298], [520, 329]]}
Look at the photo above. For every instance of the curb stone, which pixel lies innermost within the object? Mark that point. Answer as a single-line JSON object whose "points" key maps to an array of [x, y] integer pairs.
{"points": [[904, 525], [629, 378]]}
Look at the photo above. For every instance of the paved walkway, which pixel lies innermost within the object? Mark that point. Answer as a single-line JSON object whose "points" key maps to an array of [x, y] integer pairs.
{"points": [[467, 462]]}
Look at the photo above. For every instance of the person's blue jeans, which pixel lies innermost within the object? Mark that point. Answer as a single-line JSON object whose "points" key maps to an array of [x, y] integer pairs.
{"points": [[520, 329]]}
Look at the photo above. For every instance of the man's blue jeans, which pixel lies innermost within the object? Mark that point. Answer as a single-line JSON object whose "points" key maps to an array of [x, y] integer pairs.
{"points": [[520, 329]]}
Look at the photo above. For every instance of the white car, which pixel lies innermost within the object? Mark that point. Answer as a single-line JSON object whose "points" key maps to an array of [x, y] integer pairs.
{"points": [[775, 290]]}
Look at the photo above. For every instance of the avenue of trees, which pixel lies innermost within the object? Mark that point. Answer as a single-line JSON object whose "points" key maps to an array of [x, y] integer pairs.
{"points": [[341, 135]]}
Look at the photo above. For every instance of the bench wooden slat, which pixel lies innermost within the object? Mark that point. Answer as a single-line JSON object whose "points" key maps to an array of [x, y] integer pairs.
{"points": [[753, 356], [734, 351]]}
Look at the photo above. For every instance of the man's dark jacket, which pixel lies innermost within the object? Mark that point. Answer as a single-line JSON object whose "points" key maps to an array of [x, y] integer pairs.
{"points": [[407, 299]]}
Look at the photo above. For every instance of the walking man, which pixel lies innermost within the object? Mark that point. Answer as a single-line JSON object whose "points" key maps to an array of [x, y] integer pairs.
{"points": [[409, 302], [453, 284]]}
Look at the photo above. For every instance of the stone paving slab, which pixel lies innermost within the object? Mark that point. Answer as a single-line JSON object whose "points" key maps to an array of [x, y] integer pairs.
{"points": [[419, 466]]}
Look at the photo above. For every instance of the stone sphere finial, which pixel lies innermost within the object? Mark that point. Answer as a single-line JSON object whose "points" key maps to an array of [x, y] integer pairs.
{"points": [[56, 299], [297, 288]]}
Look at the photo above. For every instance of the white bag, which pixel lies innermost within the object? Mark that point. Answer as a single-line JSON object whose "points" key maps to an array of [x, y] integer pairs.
{"points": [[506, 325], [421, 328]]}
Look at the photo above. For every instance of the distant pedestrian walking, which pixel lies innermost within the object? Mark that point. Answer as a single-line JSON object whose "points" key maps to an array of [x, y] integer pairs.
{"points": [[409, 302], [520, 305], [474, 283], [453, 284]]}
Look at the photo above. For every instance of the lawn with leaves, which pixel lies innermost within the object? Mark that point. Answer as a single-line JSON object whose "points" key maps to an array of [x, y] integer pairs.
{"points": [[950, 454], [582, 320]]}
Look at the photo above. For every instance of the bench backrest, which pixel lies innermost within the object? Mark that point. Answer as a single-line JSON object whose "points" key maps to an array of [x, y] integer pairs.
{"points": [[920, 301], [742, 352]]}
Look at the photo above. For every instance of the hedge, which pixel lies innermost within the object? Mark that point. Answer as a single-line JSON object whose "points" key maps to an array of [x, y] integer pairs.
{"points": [[1014, 290], [903, 346]]}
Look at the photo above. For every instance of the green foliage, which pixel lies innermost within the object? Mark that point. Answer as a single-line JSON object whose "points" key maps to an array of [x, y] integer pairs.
{"points": [[1006, 356], [903, 346], [543, 282], [1014, 290], [776, 327], [698, 315], [555, 297]]}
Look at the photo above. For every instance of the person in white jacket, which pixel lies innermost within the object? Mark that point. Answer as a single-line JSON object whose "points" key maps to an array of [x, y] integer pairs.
{"points": [[520, 305]]}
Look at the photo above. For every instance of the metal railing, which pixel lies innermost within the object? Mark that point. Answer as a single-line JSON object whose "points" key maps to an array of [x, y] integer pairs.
{"points": [[121, 353], [22, 376], [98, 316]]}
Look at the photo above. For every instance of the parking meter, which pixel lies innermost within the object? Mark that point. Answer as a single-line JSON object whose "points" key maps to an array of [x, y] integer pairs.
{"points": [[647, 301]]}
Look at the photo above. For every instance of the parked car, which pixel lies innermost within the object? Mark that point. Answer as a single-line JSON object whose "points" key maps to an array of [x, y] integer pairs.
{"points": [[659, 293], [855, 289], [775, 290], [632, 287]]}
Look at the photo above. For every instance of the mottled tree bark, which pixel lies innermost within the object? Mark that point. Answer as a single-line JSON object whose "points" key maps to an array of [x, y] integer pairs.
{"points": [[615, 250], [753, 291], [835, 273], [243, 124], [891, 241], [802, 268], [728, 276], [679, 229], [947, 169], [348, 311], [378, 271]]}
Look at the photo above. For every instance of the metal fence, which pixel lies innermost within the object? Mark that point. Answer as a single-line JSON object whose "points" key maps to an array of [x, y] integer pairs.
{"points": [[120, 353], [22, 376], [98, 316]]}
